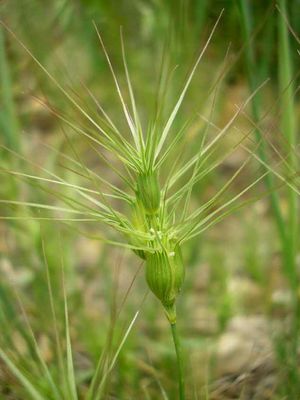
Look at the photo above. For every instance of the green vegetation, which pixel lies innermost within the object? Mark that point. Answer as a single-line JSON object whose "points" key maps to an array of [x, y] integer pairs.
{"points": [[149, 165]]}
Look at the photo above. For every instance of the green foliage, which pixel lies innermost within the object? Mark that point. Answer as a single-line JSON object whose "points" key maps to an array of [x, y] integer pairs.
{"points": [[151, 173]]}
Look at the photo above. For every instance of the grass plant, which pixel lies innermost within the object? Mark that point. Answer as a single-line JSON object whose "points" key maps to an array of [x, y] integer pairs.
{"points": [[150, 211]]}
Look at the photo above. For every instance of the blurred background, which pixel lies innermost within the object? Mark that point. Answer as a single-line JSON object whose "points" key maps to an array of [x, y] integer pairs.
{"points": [[238, 311]]}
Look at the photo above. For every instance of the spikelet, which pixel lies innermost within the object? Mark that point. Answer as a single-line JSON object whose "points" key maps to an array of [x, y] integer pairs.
{"points": [[165, 275], [148, 191], [139, 221]]}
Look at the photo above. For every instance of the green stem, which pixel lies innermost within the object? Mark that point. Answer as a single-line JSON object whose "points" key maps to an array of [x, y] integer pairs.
{"points": [[179, 360], [289, 128]]}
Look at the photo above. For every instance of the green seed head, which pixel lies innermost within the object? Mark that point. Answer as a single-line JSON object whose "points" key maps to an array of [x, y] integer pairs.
{"points": [[165, 274], [148, 192]]}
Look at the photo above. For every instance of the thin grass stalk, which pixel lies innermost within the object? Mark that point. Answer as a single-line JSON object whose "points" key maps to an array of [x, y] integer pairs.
{"points": [[179, 360], [8, 118], [288, 127], [17, 372]]}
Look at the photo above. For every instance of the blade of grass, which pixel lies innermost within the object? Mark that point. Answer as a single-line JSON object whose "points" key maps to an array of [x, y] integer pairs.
{"points": [[58, 343], [52, 384], [8, 119], [95, 391], [70, 366], [29, 386], [288, 127]]}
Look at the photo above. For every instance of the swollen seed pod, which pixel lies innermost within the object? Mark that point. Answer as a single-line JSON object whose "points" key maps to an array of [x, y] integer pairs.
{"points": [[165, 275], [148, 191]]}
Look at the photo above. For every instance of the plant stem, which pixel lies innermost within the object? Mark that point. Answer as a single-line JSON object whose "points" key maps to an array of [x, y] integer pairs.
{"points": [[179, 360], [289, 128]]}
